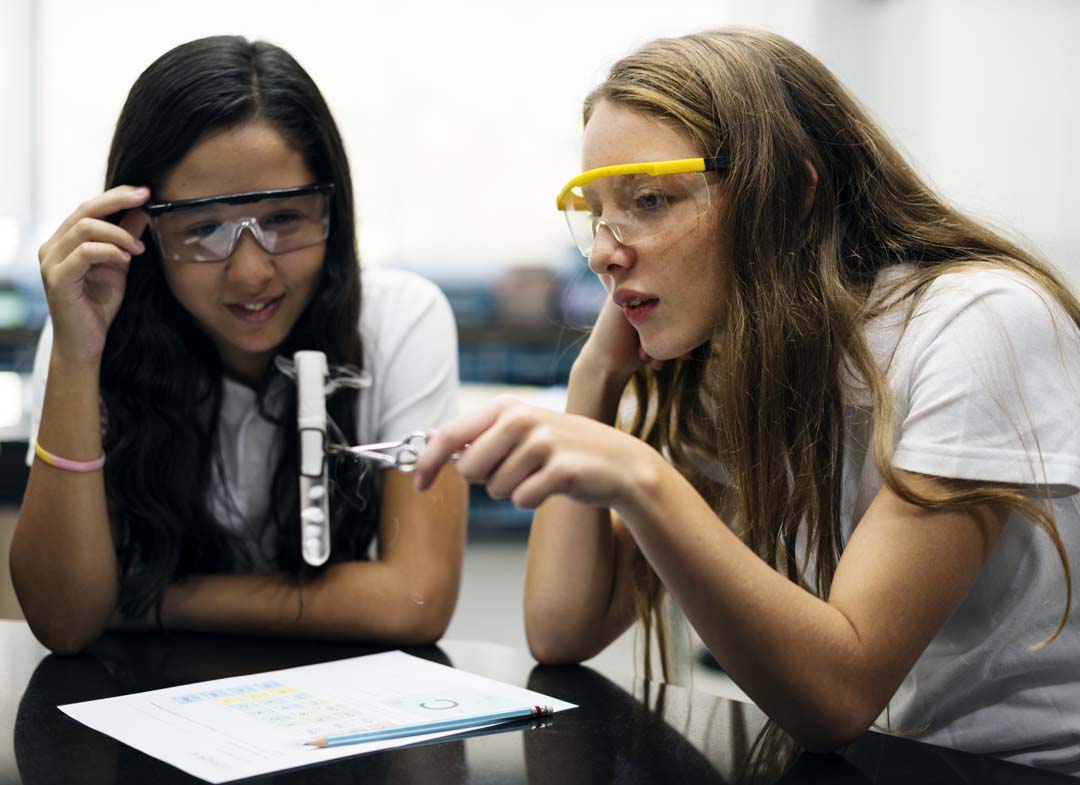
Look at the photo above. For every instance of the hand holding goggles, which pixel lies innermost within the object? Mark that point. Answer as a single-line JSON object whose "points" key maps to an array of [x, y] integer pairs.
{"points": [[207, 230], [637, 202]]}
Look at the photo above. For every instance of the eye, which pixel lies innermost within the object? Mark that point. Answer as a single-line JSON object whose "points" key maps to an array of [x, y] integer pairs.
{"points": [[592, 207], [649, 201], [204, 229], [282, 218]]}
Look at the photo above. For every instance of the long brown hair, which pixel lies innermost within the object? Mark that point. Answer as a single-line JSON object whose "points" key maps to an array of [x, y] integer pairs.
{"points": [[161, 375], [766, 396]]}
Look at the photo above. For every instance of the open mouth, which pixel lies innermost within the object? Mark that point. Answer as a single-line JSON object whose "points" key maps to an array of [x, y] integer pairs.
{"points": [[257, 311], [638, 309]]}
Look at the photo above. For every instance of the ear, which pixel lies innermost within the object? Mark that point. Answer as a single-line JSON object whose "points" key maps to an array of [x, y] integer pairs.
{"points": [[811, 190]]}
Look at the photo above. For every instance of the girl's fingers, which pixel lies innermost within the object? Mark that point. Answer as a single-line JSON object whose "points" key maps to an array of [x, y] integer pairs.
{"points": [[94, 230], [656, 365], [134, 223], [107, 275], [536, 488], [509, 474], [76, 266], [452, 437], [504, 445], [90, 231], [122, 197]]}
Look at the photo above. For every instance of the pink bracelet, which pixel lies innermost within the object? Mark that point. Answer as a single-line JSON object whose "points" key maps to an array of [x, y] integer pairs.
{"points": [[67, 464]]}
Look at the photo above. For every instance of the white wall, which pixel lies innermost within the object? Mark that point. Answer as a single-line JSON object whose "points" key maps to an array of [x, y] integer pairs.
{"points": [[984, 95], [16, 107], [462, 119]]}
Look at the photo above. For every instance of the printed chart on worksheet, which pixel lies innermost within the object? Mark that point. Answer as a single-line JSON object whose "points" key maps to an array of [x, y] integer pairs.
{"points": [[244, 726]]}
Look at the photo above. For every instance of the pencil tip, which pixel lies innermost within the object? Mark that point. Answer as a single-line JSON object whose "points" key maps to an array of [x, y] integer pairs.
{"points": [[320, 743]]}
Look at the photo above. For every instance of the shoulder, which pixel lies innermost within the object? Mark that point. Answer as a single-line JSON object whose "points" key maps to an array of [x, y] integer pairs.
{"points": [[990, 298], [410, 350], [400, 309], [387, 293], [1009, 292], [977, 308], [985, 378]]}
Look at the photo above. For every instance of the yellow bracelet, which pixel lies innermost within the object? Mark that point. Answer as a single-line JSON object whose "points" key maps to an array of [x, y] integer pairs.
{"points": [[67, 464]]}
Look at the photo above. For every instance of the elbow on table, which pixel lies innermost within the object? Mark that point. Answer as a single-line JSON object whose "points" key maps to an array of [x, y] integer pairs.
{"points": [[822, 743], [558, 647], [62, 630], [835, 726], [421, 634], [425, 626], [554, 656], [63, 638], [557, 637]]}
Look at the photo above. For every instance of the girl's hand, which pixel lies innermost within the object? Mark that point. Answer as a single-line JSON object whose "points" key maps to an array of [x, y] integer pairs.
{"points": [[613, 347], [526, 454], [84, 269]]}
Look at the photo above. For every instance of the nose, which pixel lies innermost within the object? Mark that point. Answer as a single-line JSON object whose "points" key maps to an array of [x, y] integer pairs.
{"points": [[249, 267], [608, 254]]}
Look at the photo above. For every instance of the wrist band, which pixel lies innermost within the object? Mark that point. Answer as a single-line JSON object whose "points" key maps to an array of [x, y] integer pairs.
{"points": [[67, 464]]}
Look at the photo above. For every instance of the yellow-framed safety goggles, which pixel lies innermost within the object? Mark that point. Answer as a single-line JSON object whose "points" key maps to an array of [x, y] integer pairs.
{"points": [[637, 201]]}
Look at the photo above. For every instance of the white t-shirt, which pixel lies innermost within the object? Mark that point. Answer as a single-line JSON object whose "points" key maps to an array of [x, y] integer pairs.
{"points": [[410, 356], [985, 378]]}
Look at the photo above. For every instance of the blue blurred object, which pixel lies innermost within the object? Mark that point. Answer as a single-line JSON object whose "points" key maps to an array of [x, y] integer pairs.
{"points": [[581, 295], [522, 325], [518, 326], [23, 310], [472, 300], [22, 307]]}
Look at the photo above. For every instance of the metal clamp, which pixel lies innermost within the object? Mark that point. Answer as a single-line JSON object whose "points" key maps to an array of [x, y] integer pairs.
{"points": [[401, 455]]}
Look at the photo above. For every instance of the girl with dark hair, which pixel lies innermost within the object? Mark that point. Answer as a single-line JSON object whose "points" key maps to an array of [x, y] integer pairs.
{"points": [[165, 486], [856, 451]]}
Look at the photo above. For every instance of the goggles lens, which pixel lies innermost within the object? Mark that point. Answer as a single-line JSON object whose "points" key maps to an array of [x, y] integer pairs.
{"points": [[635, 207], [207, 230]]}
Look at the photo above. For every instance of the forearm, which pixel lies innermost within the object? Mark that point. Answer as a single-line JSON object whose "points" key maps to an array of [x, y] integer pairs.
{"points": [[574, 582], [406, 596], [63, 561], [369, 601], [797, 657]]}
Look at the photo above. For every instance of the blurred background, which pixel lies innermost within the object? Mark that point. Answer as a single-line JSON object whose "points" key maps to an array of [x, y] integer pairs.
{"points": [[462, 120]]}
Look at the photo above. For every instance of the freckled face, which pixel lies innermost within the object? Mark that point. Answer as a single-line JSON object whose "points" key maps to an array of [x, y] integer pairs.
{"points": [[675, 282], [248, 303]]}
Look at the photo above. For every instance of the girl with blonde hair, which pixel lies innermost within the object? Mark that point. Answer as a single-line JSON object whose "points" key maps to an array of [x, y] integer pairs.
{"points": [[855, 452]]}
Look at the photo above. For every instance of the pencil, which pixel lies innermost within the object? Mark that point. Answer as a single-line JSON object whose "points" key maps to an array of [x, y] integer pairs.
{"points": [[459, 723]]}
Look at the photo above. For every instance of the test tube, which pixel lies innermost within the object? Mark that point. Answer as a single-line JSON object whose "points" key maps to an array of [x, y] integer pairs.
{"points": [[311, 422]]}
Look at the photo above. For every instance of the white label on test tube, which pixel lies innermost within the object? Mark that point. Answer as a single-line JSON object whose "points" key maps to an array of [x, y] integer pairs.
{"points": [[311, 421]]}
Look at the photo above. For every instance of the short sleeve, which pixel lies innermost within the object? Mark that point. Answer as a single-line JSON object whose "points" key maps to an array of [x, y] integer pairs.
{"points": [[985, 378], [410, 332], [37, 386]]}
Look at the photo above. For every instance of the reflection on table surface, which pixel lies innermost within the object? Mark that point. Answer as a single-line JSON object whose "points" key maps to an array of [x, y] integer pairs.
{"points": [[625, 731]]}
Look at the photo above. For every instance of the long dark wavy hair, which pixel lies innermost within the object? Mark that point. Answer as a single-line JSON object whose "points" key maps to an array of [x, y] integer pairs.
{"points": [[798, 296], [161, 375]]}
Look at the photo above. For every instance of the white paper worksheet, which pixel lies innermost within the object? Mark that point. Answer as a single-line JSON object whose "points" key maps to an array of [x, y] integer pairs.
{"points": [[242, 726]]}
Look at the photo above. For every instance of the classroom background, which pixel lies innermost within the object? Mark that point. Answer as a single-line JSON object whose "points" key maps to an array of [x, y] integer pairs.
{"points": [[462, 120]]}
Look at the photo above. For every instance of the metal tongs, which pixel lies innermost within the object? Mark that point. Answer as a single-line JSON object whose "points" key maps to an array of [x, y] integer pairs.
{"points": [[401, 455]]}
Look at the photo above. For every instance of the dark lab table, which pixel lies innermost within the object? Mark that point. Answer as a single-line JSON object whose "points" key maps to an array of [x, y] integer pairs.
{"points": [[626, 731]]}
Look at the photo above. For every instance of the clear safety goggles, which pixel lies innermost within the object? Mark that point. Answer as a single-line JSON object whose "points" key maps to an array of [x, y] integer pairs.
{"points": [[637, 202], [207, 230]]}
